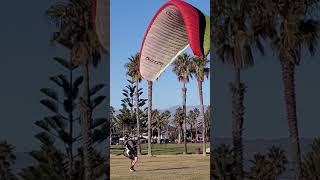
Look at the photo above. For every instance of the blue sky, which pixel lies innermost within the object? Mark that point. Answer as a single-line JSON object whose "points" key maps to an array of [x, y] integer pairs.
{"points": [[129, 21]]}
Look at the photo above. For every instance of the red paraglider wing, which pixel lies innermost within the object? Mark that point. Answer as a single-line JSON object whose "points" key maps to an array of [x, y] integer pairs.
{"points": [[100, 19]]}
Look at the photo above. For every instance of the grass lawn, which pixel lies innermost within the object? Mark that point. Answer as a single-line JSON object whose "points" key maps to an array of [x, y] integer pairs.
{"points": [[162, 167], [161, 149]]}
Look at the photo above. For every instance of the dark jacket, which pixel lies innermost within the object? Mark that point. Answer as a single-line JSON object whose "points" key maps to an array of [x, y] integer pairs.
{"points": [[131, 145]]}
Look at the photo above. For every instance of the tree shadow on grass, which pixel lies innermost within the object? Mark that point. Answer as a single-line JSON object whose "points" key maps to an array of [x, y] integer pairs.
{"points": [[165, 169]]}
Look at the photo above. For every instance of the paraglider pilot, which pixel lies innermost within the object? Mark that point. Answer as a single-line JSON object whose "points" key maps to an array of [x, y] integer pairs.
{"points": [[130, 151]]}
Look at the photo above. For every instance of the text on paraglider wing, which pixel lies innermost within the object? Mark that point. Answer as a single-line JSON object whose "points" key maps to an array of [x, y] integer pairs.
{"points": [[154, 61]]}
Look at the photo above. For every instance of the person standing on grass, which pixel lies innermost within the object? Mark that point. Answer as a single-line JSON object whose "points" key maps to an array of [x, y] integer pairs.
{"points": [[130, 151]]}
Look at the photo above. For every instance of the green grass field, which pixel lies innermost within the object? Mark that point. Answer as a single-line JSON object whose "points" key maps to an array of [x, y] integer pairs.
{"points": [[162, 167], [168, 163]]}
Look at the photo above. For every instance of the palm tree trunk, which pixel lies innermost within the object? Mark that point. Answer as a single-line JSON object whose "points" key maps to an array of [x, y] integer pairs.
{"points": [[202, 116], [159, 134], [191, 131], [131, 107], [179, 135], [184, 107], [86, 111], [290, 98], [238, 90], [208, 134], [70, 168], [149, 116], [196, 125], [137, 117]]}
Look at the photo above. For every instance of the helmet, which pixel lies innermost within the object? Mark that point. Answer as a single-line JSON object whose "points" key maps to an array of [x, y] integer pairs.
{"points": [[126, 137]]}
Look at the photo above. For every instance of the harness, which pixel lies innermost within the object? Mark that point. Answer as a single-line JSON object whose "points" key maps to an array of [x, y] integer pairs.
{"points": [[128, 150]]}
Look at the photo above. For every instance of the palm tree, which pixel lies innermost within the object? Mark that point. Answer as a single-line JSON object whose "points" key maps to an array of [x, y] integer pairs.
{"points": [[163, 119], [134, 73], [223, 163], [311, 163], [76, 33], [207, 121], [7, 159], [192, 120], [200, 71], [268, 166], [182, 68], [260, 167], [150, 84], [124, 120], [278, 162], [196, 110], [291, 27], [234, 43], [178, 120], [156, 120], [149, 117], [159, 121], [165, 116]]}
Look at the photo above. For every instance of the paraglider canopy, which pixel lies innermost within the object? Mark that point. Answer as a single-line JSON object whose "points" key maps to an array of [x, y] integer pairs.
{"points": [[101, 21], [174, 27], [206, 39]]}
